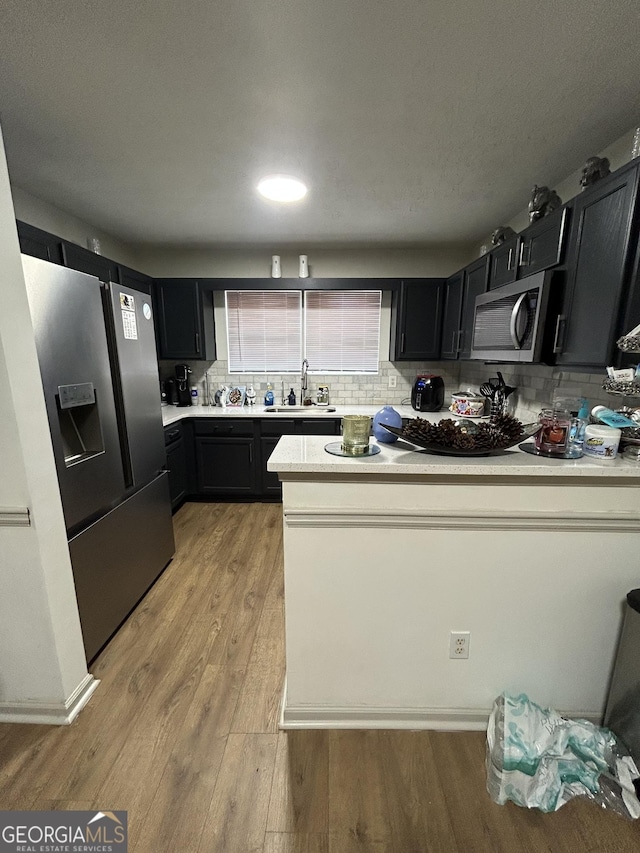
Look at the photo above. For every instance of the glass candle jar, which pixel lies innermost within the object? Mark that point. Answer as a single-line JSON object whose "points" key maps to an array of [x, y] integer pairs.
{"points": [[355, 434], [553, 437]]}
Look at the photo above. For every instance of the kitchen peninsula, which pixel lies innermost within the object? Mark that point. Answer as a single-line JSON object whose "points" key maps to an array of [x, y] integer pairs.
{"points": [[386, 556]]}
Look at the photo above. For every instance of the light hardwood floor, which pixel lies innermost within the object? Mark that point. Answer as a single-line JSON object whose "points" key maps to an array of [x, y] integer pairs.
{"points": [[183, 734]]}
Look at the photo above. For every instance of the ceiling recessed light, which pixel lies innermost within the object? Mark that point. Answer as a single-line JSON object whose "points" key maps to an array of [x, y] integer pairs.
{"points": [[282, 188]]}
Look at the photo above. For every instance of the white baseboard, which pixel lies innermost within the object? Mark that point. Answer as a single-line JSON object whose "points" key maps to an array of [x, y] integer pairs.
{"points": [[50, 714], [366, 717]]}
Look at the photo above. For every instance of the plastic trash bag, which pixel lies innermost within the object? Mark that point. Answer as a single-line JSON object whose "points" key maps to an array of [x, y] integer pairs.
{"points": [[539, 759]]}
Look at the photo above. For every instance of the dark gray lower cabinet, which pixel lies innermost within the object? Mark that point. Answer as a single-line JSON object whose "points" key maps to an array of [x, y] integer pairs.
{"points": [[225, 457], [176, 463], [269, 435]]}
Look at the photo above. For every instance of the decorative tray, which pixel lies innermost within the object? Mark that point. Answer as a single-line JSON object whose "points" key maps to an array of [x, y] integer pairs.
{"points": [[527, 431], [335, 448]]}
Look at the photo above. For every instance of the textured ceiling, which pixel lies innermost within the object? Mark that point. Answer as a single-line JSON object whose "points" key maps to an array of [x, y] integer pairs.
{"points": [[412, 121]]}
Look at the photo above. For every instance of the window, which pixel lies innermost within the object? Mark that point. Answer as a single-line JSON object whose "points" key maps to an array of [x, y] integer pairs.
{"points": [[341, 330], [264, 330]]}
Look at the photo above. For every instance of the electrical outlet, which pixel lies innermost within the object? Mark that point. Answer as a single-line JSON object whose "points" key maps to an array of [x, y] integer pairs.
{"points": [[459, 645], [393, 381]]}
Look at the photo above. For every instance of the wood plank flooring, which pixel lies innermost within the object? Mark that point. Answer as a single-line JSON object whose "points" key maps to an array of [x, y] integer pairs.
{"points": [[183, 734]]}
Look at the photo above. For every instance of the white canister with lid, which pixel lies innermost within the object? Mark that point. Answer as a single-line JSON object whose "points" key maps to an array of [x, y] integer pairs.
{"points": [[601, 441]]}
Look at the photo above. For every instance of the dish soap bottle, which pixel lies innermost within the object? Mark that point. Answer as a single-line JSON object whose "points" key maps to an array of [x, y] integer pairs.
{"points": [[268, 397], [292, 398]]}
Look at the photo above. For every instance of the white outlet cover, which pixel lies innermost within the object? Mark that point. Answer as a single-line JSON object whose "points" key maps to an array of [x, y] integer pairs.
{"points": [[459, 642]]}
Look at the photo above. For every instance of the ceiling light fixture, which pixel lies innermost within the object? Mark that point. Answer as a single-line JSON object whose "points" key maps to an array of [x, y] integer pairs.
{"points": [[282, 188]]}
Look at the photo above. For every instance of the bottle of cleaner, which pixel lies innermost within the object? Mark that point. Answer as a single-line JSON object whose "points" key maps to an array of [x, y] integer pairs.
{"points": [[194, 395], [575, 444], [611, 418], [268, 397], [292, 398]]}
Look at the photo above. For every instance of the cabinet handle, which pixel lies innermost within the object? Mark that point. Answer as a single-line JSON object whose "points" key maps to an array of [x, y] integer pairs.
{"points": [[558, 340], [510, 259], [460, 337], [523, 262], [402, 342], [197, 342], [251, 453], [453, 342]]}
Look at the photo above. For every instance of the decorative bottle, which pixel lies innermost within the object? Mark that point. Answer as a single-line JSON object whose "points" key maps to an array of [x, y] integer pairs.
{"points": [[268, 397], [387, 415], [292, 398]]}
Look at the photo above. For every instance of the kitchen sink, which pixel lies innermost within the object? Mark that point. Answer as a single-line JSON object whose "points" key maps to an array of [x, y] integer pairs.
{"points": [[300, 408]]}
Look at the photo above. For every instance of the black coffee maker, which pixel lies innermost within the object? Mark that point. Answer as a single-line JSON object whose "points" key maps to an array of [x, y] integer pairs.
{"points": [[427, 394], [183, 392]]}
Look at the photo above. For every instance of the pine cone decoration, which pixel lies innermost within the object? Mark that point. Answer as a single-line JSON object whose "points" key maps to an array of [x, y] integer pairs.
{"points": [[501, 431], [509, 426]]}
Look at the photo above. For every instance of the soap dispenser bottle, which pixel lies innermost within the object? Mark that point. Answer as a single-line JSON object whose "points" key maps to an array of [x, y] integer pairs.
{"points": [[292, 398], [268, 397]]}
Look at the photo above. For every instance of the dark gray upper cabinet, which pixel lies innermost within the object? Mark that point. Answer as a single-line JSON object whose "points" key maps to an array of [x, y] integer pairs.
{"points": [[416, 314], [77, 258], [460, 299], [602, 242], [136, 280], [39, 244], [184, 313], [476, 277], [451, 330], [542, 243], [503, 263]]}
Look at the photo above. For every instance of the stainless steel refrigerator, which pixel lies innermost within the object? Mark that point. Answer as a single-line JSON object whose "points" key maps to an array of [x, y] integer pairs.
{"points": [[96, 350]]}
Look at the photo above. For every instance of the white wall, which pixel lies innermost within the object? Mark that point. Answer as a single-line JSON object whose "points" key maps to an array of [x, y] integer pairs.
{"points": [[42, 661], [618, 153], [43, 215], [324, 262]]}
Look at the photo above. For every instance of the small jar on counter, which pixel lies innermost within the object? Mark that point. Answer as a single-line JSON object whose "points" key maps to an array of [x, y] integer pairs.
{"points": [[601, 442]]}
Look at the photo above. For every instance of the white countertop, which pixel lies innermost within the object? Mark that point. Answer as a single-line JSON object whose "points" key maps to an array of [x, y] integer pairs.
{"points": [[306, 454], [171, 414]]}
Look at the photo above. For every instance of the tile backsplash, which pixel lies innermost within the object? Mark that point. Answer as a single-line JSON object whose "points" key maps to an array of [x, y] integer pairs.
{"points": [[535, 383], [344, 388]]}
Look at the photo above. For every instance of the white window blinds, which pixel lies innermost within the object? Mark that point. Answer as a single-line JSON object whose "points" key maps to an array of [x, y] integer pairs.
{"points": [[342, 330], [264, 330]]}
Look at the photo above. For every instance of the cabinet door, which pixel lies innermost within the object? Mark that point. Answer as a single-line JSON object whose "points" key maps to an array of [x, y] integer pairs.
{"points": [[503, 263], [39, 244], [184, 330], [77, 258], [599, 249], [451, 317], [475, 283], [417, 320], [270, 482], [177, 467], [542, 243], [225, 466]]}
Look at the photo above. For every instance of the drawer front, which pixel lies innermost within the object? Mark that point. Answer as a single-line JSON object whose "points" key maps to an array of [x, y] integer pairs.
{"points": [[316, 426], [223, 426], [280, 426], [172, 434]]}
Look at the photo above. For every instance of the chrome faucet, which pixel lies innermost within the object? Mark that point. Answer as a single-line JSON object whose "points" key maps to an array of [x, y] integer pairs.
{"points": [[284, 399], [303, 381]]}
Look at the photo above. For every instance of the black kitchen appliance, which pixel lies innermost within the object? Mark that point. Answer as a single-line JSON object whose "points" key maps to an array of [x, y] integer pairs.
{"points": [[427, 394], [96, 350], [183, 392], [171, 388]]}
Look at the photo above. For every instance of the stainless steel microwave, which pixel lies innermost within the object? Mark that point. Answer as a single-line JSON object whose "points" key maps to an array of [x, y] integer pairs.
{"points": [[509, 322]]}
